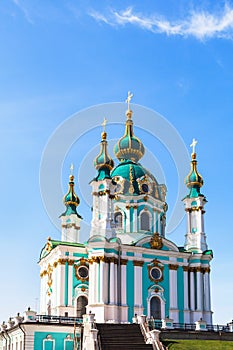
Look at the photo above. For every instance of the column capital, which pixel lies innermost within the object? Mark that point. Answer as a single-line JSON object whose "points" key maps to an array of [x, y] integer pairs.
{"points": [[138, 263], [124, 261], [173, 267], [185, 268]]}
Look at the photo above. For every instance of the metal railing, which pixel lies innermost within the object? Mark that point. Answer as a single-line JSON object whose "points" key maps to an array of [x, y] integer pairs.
{"points": [[58, 319], [155, 324]]}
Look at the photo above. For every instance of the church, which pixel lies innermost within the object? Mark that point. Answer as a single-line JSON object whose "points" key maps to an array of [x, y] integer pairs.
{"points": [[128, 266]]}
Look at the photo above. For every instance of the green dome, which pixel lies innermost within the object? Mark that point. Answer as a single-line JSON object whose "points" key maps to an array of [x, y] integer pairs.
{"points": [[103, 159], [133, 179], [129, 146], [71, 200], [194, 180]]}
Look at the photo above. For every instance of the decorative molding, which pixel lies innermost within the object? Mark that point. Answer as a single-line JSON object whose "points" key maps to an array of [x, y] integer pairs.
{"points": [[124, 261], [156, 241], [173, 267], [138, 263], [185, 268], [155, 263]]}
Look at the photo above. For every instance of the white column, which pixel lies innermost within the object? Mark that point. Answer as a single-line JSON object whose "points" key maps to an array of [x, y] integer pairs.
{"points": [[207, 304], [95, 281], [91, 283], [42, 295], [188, 222], [135, 219], [123, 282], [127, 218], [70, 284], [186, 305], [192, 290], [112, 282], [137, 283], [173, 286], [60, 283], [102, 280], [116, 280], [199, 289], [174, 312]]}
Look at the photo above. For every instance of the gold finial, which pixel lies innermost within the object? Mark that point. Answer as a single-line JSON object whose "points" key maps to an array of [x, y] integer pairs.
{"points": [[193, 145], [129, 98]]}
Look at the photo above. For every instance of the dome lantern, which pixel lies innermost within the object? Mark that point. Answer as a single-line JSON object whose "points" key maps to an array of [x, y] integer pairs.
{"points": [[194, 180], [129, 147]]}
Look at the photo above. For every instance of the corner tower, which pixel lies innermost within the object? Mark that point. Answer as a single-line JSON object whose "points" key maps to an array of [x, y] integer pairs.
{"points": [[103, 191], [70, 219], [195, 238]]}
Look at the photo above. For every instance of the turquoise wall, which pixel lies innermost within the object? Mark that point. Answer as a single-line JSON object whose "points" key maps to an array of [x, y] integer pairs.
{"points": [[130, 289], [59, 338], [180, 293]]}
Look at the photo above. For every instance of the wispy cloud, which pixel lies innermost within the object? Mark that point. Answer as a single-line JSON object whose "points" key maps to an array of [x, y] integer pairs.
{"points": [[200, 24], [23, 10]]}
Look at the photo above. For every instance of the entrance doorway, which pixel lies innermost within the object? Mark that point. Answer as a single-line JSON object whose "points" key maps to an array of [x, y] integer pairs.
{"points": [[81, 305], [155, 308]]}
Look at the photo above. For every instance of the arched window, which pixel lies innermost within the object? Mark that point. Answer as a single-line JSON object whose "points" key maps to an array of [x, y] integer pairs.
{"points": [[118, 217], [81, 306], [155, 308], [145, 221]]}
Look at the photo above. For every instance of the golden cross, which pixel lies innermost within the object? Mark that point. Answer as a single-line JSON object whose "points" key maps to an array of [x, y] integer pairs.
{"points": [[193, 145], [104, 124], [71, 169], [129, 98]]}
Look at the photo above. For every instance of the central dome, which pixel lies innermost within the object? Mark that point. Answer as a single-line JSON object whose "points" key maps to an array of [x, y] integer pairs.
{"points": [[129, 146], [133, 179]]}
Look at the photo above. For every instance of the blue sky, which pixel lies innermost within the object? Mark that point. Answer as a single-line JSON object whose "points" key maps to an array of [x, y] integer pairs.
{"points": [[60, 58]]}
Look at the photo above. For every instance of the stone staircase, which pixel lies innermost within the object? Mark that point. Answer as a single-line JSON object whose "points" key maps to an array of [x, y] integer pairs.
{"points": [[121, 337]]}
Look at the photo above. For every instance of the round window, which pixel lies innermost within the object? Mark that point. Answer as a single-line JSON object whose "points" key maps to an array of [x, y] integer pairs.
{"points": [[145, 188], [83, 272], [156, 273]]}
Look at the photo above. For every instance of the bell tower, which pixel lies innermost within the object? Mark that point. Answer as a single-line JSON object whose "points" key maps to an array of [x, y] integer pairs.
{"points": [[195, 238], [103, 192]]}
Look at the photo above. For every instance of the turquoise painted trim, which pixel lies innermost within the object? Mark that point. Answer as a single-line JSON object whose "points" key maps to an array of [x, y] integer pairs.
{"points": [[165, 285], [152, 256], [79, 255], [67, 253], [59, 338], [194, 261], [111, 251], [180, 293], [129, 253], [130, 290], [131, 211], [66, 284], [157, 221], [180, 259]]}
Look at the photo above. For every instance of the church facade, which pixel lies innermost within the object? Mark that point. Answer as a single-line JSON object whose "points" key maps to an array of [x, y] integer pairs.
{"points": [[128, 266]]}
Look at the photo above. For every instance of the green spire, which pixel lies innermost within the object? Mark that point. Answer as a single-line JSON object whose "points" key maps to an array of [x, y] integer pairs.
{"points": [[71, 200], [194, 180], [103, 162]]}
